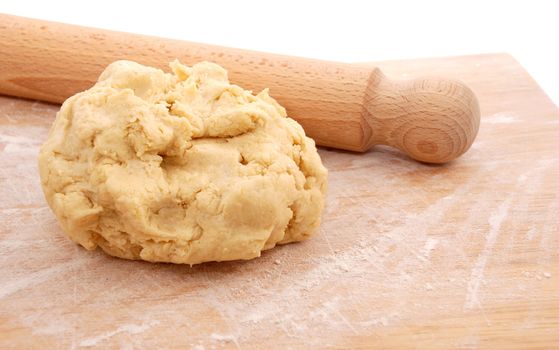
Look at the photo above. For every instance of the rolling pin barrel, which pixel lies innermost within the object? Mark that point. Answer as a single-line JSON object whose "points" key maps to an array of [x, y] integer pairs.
{"points": [[352, 107]]}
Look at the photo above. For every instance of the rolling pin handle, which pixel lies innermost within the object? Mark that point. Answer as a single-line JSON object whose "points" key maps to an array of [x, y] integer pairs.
{"points": [[430, 119]]}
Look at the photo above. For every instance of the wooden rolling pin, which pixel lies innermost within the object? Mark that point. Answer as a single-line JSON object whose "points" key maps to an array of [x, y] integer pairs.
{"points": [[347, 106]]}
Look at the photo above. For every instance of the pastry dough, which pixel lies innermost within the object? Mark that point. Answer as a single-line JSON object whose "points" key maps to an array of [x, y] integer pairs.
{"points": [[180, 167]]}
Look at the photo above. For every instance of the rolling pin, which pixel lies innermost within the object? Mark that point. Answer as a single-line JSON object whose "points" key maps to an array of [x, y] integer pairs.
{"points": [[346, 106]]}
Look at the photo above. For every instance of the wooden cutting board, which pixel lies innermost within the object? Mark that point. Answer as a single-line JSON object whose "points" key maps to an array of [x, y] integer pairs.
{"points": [[464, 255]]}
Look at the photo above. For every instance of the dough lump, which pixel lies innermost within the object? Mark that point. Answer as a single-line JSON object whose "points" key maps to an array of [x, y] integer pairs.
{"points": [[180, 167]]}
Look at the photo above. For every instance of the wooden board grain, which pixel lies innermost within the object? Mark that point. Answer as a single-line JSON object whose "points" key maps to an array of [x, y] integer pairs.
{"points": [[464, 255]]}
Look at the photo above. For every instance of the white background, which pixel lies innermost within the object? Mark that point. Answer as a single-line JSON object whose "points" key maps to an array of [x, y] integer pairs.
{"points": [[351, 31]]}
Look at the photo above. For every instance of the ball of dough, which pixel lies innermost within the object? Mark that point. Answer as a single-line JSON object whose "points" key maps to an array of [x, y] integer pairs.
{"points": [[180, 167]]}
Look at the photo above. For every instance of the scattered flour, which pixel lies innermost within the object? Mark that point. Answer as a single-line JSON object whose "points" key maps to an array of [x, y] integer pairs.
{"points": [[222, 338], [530, 234], [495, 221], [430, 244], [126, 328], [500, 118]]}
